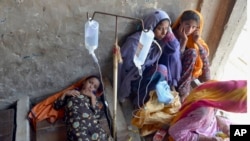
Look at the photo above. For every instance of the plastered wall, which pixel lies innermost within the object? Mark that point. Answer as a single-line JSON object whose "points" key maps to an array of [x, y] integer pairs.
{"points": [[42, 41]]}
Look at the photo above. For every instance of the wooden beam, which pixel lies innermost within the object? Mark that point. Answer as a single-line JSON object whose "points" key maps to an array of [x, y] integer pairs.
{"points": [[232, 30]]}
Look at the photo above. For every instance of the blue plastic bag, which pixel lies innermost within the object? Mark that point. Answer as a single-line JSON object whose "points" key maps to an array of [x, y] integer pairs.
{"points": [[163, 92]]}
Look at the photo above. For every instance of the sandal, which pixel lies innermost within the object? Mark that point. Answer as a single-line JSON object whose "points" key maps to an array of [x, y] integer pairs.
{"points": [[159, 135]]}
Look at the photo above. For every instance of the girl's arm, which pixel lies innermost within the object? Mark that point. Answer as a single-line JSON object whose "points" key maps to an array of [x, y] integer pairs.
{"points": [[183, 44], [61, 101]]}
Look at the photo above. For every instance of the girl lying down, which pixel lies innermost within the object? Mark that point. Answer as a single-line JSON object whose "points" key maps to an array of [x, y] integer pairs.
{"points": [[82, 110]]}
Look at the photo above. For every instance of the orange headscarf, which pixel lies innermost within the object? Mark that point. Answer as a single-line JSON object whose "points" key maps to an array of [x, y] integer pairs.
{"points": [[191, 44]]}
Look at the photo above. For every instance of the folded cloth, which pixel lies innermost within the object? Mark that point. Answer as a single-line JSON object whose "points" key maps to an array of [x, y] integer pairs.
{"points": [[154, 115]]}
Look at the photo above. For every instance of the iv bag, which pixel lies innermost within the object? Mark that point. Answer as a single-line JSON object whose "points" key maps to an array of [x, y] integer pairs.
{"points": [[142, 50], [91, 35]]}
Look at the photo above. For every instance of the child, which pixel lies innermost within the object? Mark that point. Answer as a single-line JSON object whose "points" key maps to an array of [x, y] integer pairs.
{"points": [[195, 64], [82, 111]]}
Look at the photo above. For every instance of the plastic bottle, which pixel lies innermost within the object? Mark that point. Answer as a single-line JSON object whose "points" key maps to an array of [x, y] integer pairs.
{"points": [[142, 50], [91, 36]]}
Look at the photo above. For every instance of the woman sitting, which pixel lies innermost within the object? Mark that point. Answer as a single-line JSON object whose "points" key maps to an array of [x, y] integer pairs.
{"points": [[130, 83], [195, 64]]}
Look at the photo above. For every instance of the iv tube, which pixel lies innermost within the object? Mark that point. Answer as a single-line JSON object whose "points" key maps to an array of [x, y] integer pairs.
{"points": [[91, 43], [151, 79]]}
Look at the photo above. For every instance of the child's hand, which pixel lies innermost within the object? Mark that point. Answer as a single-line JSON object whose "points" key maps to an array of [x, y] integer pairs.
{"points": [[70, 93], [93, 100], [196, 35], [181, 33]]}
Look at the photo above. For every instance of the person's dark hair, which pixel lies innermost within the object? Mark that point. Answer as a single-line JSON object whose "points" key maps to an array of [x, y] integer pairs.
{"points": [[100, 88], [190, 15]]}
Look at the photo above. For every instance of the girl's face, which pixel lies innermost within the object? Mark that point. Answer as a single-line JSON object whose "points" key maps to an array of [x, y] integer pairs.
{"points": [[91, 84], [161, 30], [189, 26]]}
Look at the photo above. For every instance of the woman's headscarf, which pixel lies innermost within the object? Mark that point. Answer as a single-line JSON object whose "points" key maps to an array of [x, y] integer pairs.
{"points": [[191, 44], [228, 95], [153, 19]]}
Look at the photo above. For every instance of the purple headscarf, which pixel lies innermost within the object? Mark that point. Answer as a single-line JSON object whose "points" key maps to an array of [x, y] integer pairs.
{"points": [[153, 19]]}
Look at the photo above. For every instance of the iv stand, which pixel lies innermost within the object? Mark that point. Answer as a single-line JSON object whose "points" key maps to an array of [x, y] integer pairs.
{"points": [[117, 59]]}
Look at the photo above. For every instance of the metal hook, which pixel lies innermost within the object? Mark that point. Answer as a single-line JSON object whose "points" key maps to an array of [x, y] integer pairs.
{"points": [[131, 18], [89, 18]]}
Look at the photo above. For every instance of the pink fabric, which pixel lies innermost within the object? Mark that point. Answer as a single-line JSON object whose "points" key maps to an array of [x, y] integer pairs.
{"points": [[197, 115], [229, 95], [200, 121]]}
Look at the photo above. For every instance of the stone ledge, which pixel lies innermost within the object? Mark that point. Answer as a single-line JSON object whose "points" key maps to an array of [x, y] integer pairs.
{"points": [[22, 122]]}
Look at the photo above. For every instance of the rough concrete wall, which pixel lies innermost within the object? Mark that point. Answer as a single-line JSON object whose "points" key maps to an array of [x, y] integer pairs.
{"points": [[42, 47]]}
